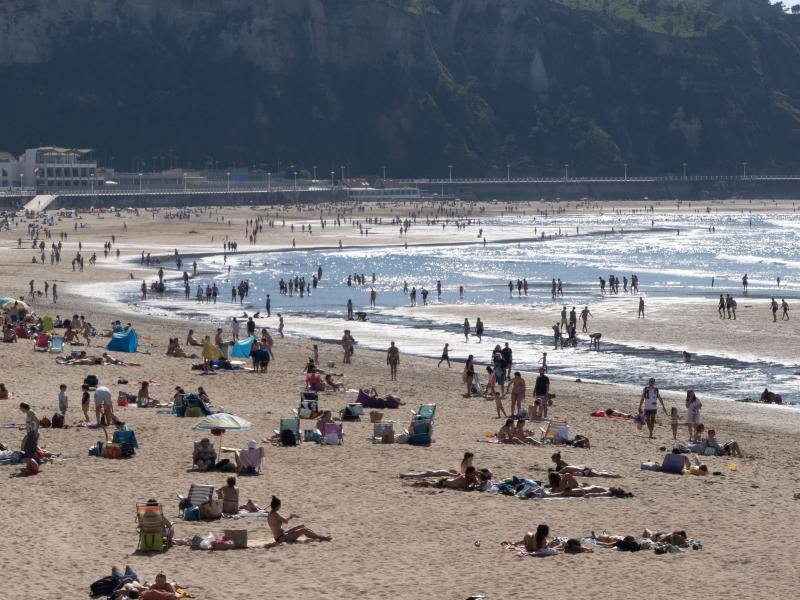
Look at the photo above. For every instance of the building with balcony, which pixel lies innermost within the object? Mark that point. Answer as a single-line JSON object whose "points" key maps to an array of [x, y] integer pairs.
{"points": [[52, 168], [9, 171]]}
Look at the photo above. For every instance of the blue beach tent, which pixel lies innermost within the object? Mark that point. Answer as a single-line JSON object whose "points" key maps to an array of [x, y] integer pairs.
{"points": [[241, 349], [125, 341]]}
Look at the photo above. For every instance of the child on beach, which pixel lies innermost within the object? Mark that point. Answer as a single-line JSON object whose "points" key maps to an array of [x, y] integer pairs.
{"points": [[63, 399], [674, 418], [85, 401], [639, 420], [543, 360], [498, 401]]}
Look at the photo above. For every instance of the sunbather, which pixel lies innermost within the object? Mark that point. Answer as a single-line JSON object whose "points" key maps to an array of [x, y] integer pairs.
{"points": [[564, 468], [729, 449], [567, 486], [469, 480], [535, 542], [204, 457], [276, 523], [466, 462], [506, 432], [229, 494], [190, 341]]}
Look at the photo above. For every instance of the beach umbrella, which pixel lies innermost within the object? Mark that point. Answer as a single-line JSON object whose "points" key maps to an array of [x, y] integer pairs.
{"points": [[223, 421], [3, 300], [20, 304]]}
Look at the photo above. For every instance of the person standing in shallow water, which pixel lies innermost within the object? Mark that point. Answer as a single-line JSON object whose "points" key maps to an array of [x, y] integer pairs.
{"points": [[466, 330], [479, 329]]}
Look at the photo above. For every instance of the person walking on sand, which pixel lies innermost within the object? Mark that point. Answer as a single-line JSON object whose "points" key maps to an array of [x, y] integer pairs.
{"points": [[650, 400], [773, 306], [445, 356], [466, 330], [784, 310], [479, 329], [641, 308], [585, 314], [721, 307], [393, 359], [280, 325]]}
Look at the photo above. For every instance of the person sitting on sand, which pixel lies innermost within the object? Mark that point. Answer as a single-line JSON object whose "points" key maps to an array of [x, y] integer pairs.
{"points": [[204, 457], [190, 341], [520, 436], [506, 432], [276, 523], [566, 486], [174, 349], [324, 418], [729, 449], [143, 395], [4, 393], [330, 383], [201, 393], [469, 480], [9, 336], [229, 494], [563, 468], [466, 462], [314, 382]]}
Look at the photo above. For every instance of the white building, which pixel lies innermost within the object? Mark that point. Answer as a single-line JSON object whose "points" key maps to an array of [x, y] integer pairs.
{"points": [[51, 168], [9, 171]]}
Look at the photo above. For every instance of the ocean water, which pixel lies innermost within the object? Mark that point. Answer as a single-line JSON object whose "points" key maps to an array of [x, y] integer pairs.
{"points": [[669, 265]]}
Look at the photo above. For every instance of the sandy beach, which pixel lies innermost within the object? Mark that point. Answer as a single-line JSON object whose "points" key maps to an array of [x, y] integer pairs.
{"points": [[68, 525]]}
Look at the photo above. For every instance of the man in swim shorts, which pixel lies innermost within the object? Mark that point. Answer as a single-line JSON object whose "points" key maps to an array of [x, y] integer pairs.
{"points": [[650, 400]]}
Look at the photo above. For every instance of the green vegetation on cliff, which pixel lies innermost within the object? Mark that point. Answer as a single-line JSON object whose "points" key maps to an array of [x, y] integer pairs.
{"points": [[412, 84]]}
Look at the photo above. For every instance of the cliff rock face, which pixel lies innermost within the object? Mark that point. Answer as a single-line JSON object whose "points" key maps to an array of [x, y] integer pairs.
{"points": [[413, 84]]}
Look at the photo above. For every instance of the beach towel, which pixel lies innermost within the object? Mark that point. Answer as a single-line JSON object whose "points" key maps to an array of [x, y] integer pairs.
{"points": [[127, 341]]}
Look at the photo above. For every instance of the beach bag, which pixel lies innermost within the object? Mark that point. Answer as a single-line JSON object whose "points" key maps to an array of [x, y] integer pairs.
{"points": [[104, 586], [349, 413], [287, 438], [57, 422], [127, 451], [629, 544], [581, 442], [211, 510], [191, 513]]}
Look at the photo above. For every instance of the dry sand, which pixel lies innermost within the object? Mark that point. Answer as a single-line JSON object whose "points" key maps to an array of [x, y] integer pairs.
{"points": [[68, 525]]}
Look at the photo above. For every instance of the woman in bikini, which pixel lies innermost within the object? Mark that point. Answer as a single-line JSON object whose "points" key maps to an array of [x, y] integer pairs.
{"points": [[276, 523], [466, 462], [566, 469], [566, 486]]}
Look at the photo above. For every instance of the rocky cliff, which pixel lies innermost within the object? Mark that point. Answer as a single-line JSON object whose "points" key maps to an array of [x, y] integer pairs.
{"points": [[412, 84]]}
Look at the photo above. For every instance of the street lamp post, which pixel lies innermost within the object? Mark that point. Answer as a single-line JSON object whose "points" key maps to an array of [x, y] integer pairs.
{"points": [[315, 172], [566, 171], [333, 184], [269, 181], [684, 170], [228, 174], [384, 172], [626, 171], [744, 169], [450, 170], [184, 182], [140, 183], [342, 168], [508, 172], [295, 181]]}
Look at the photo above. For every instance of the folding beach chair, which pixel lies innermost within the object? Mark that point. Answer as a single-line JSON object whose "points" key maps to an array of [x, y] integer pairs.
{"points": [[42, 343], [199, 494], [332, 434], [426, 411], [57, 343], [378, 429], [155, 533], [422, 433], [293, 425], [550, 433], [309, 405], [125, 437]]}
